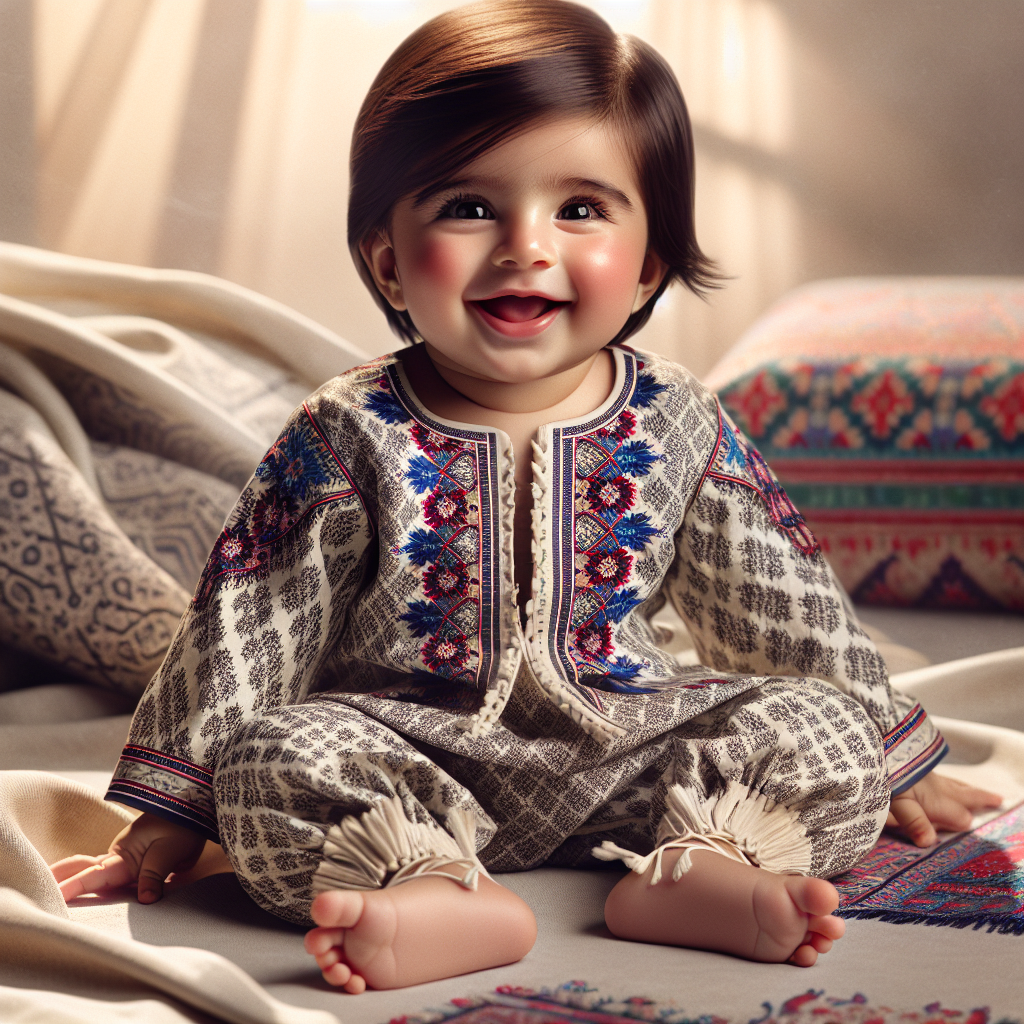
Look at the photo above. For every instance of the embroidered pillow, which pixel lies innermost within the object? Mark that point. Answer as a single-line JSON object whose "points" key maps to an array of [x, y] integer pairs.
{"points": [[892, 410]]}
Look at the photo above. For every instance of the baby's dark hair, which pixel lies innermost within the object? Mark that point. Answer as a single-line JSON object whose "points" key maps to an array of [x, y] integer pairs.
{"points": [[481, 74]]}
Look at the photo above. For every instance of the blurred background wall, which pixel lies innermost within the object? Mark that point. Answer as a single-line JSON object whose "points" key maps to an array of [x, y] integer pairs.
{"points": [[834, 137]]}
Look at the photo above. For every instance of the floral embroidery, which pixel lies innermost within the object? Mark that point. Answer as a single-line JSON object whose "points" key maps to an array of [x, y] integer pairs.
{"points": [[647, 390], [610, 567], [740, 462], [433, 444], [447, 551], [298, 473], [624, 426], [608, 465], [445, 581], [445, 508], [382, 402], [595, 641], [445, 655], [615, 495], [422, 474]]}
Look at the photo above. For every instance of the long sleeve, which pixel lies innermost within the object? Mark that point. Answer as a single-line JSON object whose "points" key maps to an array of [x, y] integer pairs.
{"points": [[759, 598], [271, 602]]}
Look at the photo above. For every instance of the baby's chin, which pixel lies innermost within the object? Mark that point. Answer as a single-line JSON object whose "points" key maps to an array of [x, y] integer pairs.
{"points": [[519, 366]]}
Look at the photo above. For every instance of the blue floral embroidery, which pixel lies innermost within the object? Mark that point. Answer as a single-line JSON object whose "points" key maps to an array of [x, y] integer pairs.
{"points": [[423, 546], [634, 531], [621, 603], [297, 468], [294, 465], [422, 474], [382, 403], [636, 458], [424, 617], [646, 391]]}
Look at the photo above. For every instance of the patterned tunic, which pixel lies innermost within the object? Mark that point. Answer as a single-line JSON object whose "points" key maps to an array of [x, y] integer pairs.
{"points": [[369, 561]]}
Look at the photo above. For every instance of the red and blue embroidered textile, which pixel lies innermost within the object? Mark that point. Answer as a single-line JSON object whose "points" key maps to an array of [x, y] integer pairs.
{"points": [[893, 410], [972, 880]]}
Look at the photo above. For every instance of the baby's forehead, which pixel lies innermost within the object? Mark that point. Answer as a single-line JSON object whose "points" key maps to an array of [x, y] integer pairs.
{"points": [[549, 154]]}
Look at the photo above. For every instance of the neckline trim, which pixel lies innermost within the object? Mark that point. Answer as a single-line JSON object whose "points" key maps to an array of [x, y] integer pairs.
{"points": [[621, 392]]}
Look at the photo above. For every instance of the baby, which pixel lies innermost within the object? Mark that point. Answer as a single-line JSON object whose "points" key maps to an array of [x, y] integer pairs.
{"points": [[421, 649]]}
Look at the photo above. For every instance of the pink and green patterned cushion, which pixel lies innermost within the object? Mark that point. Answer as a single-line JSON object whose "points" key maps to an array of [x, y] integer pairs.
{"points": [[892, 410]]}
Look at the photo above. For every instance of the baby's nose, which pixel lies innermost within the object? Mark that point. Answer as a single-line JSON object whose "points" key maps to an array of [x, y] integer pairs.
{"points": [[525, 244]]}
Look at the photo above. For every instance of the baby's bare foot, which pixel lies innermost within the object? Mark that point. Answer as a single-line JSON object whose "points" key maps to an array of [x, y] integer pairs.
{"points": [[422, 930], [793, 919], [722, 905]]}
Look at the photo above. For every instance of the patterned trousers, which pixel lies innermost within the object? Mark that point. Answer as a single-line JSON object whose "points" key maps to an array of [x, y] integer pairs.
{"points": [[537, 789]]}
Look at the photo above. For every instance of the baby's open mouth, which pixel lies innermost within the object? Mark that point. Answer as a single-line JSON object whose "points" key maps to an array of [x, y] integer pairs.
{"points": [[518, 309]]}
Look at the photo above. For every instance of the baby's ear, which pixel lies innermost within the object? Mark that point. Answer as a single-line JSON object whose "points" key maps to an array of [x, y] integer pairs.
{"points": [[652, 273], [379, 256]]}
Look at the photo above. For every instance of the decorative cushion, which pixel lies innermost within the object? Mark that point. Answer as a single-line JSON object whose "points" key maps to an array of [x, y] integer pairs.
{"points": [[892, 410]]}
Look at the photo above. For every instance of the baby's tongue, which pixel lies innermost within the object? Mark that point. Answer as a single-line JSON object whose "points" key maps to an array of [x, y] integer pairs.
{"points": [[514, 308]]}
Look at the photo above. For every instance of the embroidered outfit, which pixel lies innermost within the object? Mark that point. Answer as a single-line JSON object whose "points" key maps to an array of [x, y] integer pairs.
{"points": [[354, 648]]}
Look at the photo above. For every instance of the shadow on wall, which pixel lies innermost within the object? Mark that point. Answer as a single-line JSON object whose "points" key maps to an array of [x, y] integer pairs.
{"points": [[853, 137]]}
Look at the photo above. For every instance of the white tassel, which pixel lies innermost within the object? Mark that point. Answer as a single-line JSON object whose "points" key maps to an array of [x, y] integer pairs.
{"points": [[362, 850], [743, 827]]}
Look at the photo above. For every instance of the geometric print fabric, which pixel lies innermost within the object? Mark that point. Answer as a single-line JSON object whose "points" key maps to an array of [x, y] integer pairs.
{"points": [[368, 563]]}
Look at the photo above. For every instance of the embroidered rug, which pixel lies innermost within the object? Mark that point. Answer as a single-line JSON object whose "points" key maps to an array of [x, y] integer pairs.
{"points": [[576, 1001], [974, 879]]}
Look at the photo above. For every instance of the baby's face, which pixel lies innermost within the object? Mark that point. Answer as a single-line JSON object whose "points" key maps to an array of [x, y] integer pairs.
{"points": [[531, 261]]}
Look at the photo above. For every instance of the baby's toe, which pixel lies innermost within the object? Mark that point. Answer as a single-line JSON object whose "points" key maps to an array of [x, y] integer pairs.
{"points": [[339, 908], [338, 974], [804, 956], [356, 985], [320, 940], [325, 961], [828, 926], [819, 942]]}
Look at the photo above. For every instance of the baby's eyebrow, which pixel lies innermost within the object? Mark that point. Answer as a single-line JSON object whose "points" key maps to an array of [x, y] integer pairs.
{"points": [[566, 184], [448, 186], [593, 185]]}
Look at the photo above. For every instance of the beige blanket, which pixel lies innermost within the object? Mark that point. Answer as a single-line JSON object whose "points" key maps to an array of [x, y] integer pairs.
{"points": [[68, 971]]}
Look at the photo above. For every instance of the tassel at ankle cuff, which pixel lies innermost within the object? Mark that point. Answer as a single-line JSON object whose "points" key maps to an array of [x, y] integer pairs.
{"points": [[743, 827], [381, 847]]}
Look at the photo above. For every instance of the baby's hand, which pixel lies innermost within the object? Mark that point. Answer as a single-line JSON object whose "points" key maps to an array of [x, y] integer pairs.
{"points": [[148, 850], [937, 801]]}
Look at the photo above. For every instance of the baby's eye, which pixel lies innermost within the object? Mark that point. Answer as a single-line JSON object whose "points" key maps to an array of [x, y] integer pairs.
{"points": [[467, 209], [578, 209]]}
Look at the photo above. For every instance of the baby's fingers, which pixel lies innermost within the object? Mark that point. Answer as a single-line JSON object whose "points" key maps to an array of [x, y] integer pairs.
{"points": [[69, 866], [973, 798], [160, 859], [912, 821], [106, 872], [949, 814]]}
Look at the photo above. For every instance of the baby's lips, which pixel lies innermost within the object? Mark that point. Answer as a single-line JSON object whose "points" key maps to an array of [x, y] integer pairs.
{"points": [[517, 309]]}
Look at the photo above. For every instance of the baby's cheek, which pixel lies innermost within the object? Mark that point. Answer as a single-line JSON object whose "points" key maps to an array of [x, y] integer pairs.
{"points": [[438, 265], [609, 273]]}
